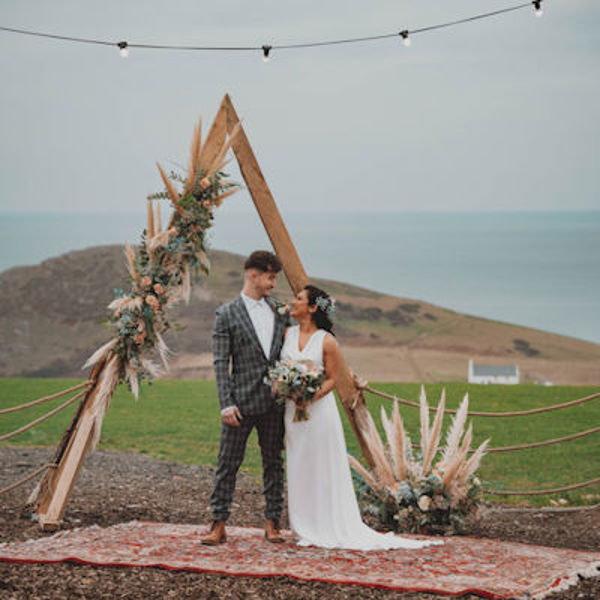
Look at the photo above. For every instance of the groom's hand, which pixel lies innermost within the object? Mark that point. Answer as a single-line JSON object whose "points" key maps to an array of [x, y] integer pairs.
{"points": [[232, 416]]}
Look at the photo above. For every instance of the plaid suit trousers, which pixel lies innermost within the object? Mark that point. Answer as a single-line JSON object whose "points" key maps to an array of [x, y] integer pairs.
{"points": [[270, 430]]}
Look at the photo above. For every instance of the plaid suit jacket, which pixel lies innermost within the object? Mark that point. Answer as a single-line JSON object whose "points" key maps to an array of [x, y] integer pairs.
{"points": [[235, 343]]}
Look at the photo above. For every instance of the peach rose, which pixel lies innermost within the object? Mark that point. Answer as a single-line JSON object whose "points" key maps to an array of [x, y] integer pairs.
{"points": [[173, 231], [206, 203], [205, 183], [158, 288], [152, 302], [146, 281]]}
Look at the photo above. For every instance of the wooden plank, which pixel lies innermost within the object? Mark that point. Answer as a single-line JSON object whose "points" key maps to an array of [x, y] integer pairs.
{"points": [[44, 494], [67, 472], [265, 204], [352, 399]]}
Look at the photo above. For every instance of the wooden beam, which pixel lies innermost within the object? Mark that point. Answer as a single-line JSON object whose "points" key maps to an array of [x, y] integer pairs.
{"points": [[265, 204], [51, 514], [56, 490], [352, 399]]}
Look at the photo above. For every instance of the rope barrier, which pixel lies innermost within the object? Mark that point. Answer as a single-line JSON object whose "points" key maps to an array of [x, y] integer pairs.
{"points": [[42, 418], [565, 488], [518, 413], [566, 438], [45, 398], [542, 509], [28, 477]]}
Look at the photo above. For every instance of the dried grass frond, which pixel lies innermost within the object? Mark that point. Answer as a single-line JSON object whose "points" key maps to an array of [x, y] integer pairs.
{"points": [[216, 163], [151, 367], [107, 382], [382, 469], [398, 451], [126, 302], [194, 160], [455, 431], [150, 219], [369, 479], [171, 191], [204, 261], [130, 261], [132, 377], [186, 284], [163, 349], [214, 140], [424, 417], [158, 240], [387, 426], [219, 199], [471, 465], [435, 435], [452, 468], [158, 214], [100, 353]]}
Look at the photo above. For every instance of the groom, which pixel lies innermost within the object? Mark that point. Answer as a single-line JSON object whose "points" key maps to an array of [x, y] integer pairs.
{"points": [[248, 333]]}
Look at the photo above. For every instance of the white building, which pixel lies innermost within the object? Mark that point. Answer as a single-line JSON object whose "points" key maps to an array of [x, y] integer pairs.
{"points": [[505, 374]]}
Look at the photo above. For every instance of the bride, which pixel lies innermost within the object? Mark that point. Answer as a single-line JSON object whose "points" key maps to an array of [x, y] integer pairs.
{"points": [[323, 510]]}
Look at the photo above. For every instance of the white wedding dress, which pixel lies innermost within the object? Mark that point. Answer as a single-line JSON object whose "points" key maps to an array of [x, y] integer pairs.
{"points": [[322, 506]]}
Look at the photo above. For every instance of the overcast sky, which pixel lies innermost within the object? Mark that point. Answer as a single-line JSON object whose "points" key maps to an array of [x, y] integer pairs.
{"points": [[501, 114]]}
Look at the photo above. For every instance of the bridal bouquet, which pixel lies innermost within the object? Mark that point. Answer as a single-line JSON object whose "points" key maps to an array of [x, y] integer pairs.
{"points": [[297, 381]]}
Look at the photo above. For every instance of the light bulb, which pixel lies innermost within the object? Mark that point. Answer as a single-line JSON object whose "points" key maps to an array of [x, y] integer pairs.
{"points": [[405, 39], [266, 49], [123, 49], [538, 8]]}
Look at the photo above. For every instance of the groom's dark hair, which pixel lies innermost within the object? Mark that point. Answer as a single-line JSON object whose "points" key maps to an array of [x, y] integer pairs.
{"points": [[264, 261]]}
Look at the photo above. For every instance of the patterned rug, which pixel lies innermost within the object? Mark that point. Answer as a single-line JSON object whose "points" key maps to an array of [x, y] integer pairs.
{"points": [[461, 565]]}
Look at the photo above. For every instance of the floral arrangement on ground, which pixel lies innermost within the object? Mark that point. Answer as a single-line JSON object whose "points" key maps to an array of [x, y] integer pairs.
{"points": [[412, 491]]}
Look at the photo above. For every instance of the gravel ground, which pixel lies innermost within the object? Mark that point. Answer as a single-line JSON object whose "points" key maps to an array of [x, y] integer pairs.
{"points": [[116, 487]]}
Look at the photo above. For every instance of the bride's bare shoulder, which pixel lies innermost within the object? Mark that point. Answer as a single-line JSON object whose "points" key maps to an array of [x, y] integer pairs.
{"points": [[329, 342]]}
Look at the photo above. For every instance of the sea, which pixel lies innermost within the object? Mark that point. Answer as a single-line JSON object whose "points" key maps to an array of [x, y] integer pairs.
{"points": [[537, 269]]}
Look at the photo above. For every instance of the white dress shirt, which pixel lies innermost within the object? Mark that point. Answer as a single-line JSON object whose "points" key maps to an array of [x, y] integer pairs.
{"points": [[263, 319]]}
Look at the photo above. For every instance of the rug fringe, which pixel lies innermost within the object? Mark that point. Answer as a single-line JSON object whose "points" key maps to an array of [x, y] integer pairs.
{"points": [[566, 582]]}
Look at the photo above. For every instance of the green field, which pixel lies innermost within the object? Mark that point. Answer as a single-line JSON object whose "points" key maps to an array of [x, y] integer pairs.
{"points": [[178, 420]]}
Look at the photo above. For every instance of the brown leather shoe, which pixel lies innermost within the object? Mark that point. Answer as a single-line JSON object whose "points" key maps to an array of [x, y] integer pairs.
{"points": [[272, 532], [216, 535]]}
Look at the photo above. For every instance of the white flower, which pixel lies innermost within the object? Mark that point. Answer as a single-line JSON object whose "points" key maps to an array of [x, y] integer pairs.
{"points": [[424, 503]]}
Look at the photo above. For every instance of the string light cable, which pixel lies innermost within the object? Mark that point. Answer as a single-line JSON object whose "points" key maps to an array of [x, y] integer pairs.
{"points": [[404, 34]]}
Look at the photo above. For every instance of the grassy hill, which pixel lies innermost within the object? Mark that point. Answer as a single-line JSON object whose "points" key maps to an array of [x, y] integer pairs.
{"points": [[52, 312]]}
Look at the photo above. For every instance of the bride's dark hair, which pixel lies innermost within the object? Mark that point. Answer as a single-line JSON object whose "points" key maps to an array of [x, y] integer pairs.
{"points": [[321, 318]]}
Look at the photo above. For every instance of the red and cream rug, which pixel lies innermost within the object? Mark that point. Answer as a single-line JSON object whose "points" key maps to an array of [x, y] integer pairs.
{"points": [[461, 565]]}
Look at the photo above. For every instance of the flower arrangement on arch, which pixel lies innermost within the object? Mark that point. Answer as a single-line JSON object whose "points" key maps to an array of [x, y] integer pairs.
{"points": [[421, 492], [161, 268]]}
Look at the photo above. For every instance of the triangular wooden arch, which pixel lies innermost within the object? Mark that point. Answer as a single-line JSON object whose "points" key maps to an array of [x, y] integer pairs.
{"points": [[55, 489]]}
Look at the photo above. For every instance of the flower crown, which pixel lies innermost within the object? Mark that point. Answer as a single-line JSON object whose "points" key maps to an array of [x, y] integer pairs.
{"points": [[326, 304]]}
